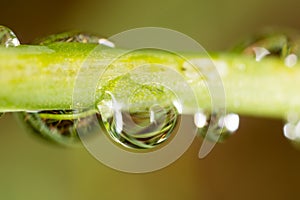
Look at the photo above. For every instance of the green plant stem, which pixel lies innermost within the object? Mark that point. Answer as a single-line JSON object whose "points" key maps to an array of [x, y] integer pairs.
{"points": [[43, 78]]}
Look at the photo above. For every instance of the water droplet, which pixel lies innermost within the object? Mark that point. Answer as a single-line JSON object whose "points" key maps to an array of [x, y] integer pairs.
{"points": [[231, 122], [8, 38], [139, 124], [223, 127], [200, 119], [291, 129], [75, 36], [291, 60], [260, 53], [57, 125], [106, 42]]}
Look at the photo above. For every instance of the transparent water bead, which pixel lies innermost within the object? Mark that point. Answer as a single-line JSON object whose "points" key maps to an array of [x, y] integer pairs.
{"points": [[60, 125], [260, 53], [223, 126], [291, 129], [8, 39], [75, 36], [291, 60], [57, 125], [139, 124], [273, 43]]}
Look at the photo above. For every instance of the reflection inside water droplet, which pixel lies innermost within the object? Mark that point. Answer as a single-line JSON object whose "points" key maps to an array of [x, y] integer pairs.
{"points": [[57, 125], [222, 127], [135, 125]]}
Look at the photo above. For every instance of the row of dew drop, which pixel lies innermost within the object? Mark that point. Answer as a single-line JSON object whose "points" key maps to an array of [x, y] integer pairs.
{"points": [[153, 125]]}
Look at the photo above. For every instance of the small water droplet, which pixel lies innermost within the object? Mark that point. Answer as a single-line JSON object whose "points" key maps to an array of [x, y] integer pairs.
{"points": [[75, 36], [260, 53], [57, 125], [291, 60], [106, 42], [138, 126], [291, 129], [8, 38], [223, 127], [231, 122], [200, 119]]}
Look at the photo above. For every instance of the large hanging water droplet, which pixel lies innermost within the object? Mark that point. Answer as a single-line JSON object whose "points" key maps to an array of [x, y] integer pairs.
{"points": [[223, 127], [140, 124], [60, 125], [281, 44], [8, 39]]}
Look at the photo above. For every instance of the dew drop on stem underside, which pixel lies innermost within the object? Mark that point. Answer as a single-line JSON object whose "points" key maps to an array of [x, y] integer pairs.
{"points": [[57, 126], [223, 126], [139, 126]]}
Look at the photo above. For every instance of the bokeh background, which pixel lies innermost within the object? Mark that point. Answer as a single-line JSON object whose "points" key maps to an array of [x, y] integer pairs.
{"points": [[256, 163]]}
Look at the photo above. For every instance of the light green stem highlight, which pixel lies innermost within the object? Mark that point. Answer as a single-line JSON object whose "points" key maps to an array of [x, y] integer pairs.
{"points": [[43, 78]]}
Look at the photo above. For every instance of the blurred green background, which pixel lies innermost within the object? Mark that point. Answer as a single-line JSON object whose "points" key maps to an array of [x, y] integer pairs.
{"points": [[256, 163]]}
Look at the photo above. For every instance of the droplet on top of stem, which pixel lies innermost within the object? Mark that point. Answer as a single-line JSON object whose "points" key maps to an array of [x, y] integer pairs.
{"points": [[75, 36], [8, 38]]}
